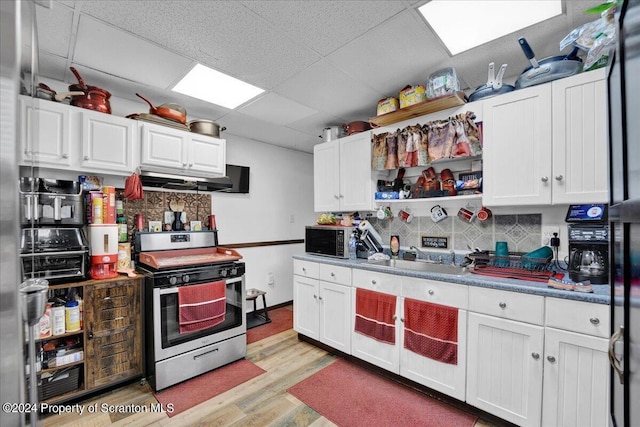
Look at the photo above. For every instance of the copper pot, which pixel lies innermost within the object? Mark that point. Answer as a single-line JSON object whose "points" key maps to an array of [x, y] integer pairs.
{"points": [[357, 127], [173, 112], [92, 98]]}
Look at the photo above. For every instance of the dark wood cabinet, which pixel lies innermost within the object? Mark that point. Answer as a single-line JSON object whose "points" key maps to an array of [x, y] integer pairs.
{"points": [[113, 328]]}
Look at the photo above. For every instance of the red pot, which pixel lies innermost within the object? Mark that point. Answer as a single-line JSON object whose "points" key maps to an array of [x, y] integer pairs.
{"points": [[93, 98], [357, 127]]}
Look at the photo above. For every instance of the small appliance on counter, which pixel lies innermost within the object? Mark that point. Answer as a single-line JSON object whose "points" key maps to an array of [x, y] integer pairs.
{"points": [[50, 202], [103, 241], [588, 243]]}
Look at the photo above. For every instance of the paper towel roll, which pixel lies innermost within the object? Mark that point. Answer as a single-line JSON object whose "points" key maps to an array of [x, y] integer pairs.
{"points": [[366, 226]]}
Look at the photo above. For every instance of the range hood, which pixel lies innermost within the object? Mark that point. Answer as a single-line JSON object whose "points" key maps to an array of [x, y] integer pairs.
{"points": [[176, 181]]}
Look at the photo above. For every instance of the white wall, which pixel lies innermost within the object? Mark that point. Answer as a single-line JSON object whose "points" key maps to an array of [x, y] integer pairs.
{"points": [[278, 206]]}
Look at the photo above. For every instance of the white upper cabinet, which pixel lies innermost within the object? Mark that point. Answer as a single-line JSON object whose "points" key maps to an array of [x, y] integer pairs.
{"points": [[547, 144], [45, 133], [107, 142], [173, 149], [517, 148], [342, 174], [580, 151]]}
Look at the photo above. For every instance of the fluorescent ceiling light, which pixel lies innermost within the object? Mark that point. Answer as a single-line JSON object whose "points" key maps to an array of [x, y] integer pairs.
{"points": [[218, 88], [463, 24]]}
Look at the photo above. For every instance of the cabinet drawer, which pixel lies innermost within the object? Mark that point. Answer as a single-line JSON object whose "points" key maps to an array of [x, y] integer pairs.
{"points": [[335, 274], [306, 268], [450, 294], [582, 317], [380, 282], [508, 305]]}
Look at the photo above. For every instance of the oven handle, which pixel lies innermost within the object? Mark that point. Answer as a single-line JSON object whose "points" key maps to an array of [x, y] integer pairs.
{"points": [[63, 253], [174, 289]]}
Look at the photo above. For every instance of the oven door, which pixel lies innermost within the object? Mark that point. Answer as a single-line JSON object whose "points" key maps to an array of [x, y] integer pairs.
{"points": [[167, 339]]}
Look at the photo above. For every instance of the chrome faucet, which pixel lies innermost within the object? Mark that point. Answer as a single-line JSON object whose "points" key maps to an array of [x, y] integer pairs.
{"points": [[453, 257], [427, 257]]}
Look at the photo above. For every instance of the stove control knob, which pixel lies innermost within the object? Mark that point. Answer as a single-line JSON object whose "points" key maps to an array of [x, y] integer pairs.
{"points": [[185, 278], [224, 272], [234, 271], [173, 280]]}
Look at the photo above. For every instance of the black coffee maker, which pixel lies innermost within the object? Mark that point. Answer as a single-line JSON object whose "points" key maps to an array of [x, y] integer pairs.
{"points": [[588, 243]]}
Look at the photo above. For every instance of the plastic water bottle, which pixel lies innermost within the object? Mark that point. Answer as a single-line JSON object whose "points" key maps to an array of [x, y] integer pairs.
{"points": [[352, 246]]}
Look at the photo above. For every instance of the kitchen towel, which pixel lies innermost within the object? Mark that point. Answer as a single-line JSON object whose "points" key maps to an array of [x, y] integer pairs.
{"points": [[201, 306], [375, 313], [431, 330]]}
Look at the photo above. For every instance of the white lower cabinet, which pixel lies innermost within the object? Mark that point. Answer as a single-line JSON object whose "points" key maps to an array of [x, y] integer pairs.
{"points": [[576, 365], [322, 308], [505, 354], [446, 378]]}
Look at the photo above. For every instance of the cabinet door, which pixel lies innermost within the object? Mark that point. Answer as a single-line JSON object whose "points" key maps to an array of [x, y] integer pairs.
{"points": [[517, 148], [207, 155], [379, 353], [326, 177], [113, 325], [576, 378], [45, 133], [504, 368], [163, 147], [306, 310], [107, 142], [580, 149], [356, 181], [335, 316]]}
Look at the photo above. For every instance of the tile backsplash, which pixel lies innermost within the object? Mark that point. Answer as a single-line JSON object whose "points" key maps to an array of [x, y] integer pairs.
{"points": [[522, 232], [155, 203]]}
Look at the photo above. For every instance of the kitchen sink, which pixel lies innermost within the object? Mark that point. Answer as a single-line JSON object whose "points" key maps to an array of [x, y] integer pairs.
{"points": [[426, 267]]}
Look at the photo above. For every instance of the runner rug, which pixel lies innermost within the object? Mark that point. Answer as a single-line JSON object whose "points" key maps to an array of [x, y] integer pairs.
{"points": [[192, 392], [281, 320], [351, 396]]}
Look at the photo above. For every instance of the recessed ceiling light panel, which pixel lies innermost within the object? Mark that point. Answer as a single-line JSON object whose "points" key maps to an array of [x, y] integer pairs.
{"points": [[464, 24], [215, 87]]}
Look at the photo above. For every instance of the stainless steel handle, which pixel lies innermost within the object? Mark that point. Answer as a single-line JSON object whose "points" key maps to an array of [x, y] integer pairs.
{"points": [[29, 210], [430, 291], [196, 357], [535, 355], [57, 208], [502, 305], [335, 196], [559, 177], [551, 359], [613, 359], [594, 320], [544, 179]]}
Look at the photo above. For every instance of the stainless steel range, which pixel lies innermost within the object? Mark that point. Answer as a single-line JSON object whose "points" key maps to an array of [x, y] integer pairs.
{"points": [[171, 263]]}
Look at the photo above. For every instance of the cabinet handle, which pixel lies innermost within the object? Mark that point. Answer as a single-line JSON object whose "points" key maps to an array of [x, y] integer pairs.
{"points": [[86, 157], [430, 291], [544, 179], [315, 296], [320, 298], [613, 359], [503, 305], [559, 177], [373, 282], [551, 359], [184, 165], [90, 332], [342, 196], [333, 274], [65, 156], [395, 317], [304, 270], [594, 320], [402, 319], [335, 196], [535, 355]]}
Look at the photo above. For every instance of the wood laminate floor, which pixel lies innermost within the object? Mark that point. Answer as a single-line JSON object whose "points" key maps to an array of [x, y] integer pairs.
{"points": [[262, 401]]}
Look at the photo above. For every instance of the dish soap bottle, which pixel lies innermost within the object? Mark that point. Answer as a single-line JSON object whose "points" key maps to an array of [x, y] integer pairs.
{"points": [[394, 246], [353, 246]]}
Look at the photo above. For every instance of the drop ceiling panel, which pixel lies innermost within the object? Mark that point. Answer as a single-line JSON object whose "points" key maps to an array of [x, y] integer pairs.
{"points": [[313, 125], [395, 54], [224, 35], [54, 29], [53, 67], [276, 109], [325, 88], [327, 25], [116, 52]]}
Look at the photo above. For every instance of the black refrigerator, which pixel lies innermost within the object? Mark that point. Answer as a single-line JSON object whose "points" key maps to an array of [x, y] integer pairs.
{"points": [[624, 216]]}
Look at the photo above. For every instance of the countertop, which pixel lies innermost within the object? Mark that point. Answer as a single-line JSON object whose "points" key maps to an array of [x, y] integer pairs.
{"points": [[600, 293]]}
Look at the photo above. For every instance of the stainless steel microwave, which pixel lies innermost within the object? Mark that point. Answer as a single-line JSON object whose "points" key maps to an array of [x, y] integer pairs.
{"points": [[327, 240]]}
